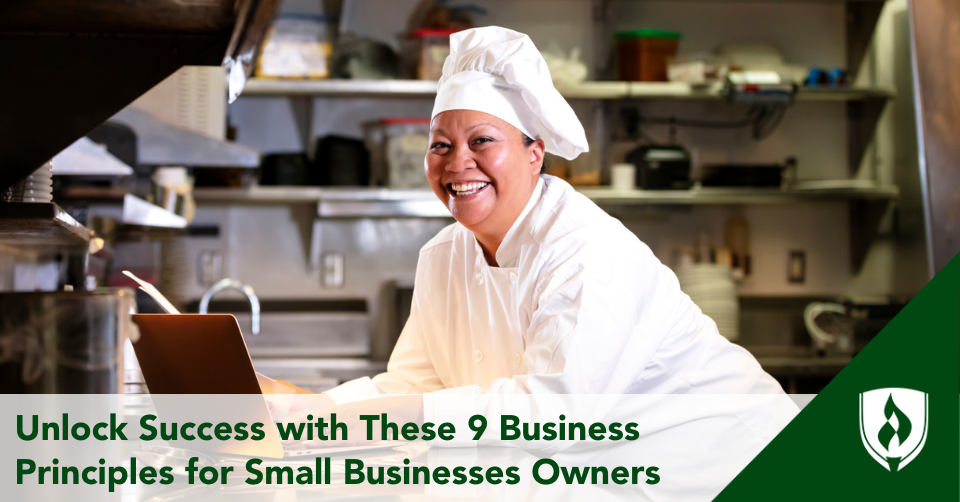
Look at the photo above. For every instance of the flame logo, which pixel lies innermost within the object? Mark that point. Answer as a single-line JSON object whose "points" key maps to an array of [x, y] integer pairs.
{"points": [[887, 432], [893, 433]]}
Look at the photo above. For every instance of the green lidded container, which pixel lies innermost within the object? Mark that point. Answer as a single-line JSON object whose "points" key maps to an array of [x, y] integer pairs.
{"points": [[643, 54]]}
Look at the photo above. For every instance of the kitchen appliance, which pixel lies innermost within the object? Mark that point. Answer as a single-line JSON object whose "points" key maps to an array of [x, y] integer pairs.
{"points": [[661, 167], [742, 175], [847, 327], [64, 342]]}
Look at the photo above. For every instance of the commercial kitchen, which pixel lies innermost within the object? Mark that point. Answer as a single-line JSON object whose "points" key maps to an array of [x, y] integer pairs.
{"points": [[793, 162]]}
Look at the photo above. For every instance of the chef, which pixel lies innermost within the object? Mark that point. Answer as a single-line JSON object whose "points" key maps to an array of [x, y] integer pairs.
{"points": [[535, 290]]}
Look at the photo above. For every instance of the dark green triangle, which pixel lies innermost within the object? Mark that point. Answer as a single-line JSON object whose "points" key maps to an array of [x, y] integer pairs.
{"points": [[820, 456]]}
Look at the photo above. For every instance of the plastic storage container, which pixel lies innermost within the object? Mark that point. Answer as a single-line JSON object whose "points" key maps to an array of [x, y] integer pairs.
{"points": [[697, 69], [397, 147], [643, 54], [298, 46], [434, 49]]}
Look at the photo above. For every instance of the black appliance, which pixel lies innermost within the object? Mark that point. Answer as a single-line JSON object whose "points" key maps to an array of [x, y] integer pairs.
{"points": [[742, 175], [661, 167]]}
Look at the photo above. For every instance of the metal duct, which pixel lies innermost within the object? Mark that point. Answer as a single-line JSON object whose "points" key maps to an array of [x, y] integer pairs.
{"points": [[71, 64]]}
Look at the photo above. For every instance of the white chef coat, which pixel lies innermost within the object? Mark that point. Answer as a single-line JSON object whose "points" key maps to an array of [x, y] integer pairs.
{"points": [[578, 305]]}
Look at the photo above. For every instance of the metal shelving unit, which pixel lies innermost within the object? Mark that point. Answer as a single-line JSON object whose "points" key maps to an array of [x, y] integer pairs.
{"points": [[364, 202], [710, 195], [43, 226], [867, 204], [585, 90]]}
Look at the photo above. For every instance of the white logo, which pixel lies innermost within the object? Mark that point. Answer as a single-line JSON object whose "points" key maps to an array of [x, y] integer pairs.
{"points": [[893, 425]]}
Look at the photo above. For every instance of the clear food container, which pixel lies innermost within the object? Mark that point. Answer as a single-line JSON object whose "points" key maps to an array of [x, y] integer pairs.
{"points": [[434, 49], [397, 148], [700, 68], [298, 46]]}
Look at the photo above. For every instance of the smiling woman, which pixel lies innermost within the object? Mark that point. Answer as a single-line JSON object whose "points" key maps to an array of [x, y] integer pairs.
{"points": [[484, 170], [536, 290]]}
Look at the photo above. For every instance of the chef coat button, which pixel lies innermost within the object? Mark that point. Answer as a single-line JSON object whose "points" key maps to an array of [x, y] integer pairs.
{"points": [[480, 279], [513, 278], [477, 356], [517, 358]]}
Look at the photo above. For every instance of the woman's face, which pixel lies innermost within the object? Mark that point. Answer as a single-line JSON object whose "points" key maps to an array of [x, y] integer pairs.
{"points": [[480, 168]]}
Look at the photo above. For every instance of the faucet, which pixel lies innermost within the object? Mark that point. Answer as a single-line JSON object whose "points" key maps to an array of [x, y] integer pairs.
{"points": [[243, 288]]}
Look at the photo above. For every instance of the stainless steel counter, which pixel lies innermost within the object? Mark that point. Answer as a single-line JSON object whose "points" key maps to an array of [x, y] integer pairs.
{"points": [[798, 369], [317, 374], [794, 361]]}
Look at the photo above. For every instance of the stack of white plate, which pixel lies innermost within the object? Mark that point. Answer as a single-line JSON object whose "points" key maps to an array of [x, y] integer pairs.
{"points": [[711, 288], [39, 185]]}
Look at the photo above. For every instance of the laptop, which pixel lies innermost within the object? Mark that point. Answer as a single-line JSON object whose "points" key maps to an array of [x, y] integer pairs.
{"points": [[206, 354]]}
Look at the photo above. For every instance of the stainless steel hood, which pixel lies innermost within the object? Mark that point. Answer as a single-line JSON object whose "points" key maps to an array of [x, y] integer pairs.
{"points": [[163, 144], [71, 64]]}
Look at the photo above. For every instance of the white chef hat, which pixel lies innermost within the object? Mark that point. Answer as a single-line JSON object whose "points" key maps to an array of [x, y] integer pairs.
{"points": [[499, 71]]}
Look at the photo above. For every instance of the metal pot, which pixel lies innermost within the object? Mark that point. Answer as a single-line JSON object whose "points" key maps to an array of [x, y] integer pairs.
{"points": [[64, 342]]}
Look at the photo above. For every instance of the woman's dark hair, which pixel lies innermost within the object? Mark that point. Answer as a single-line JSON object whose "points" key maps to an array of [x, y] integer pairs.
{"points": [[527, 141]]}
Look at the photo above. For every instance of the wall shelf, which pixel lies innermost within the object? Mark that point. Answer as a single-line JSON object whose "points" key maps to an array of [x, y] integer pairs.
{"points": [[840, 190], [361, 201], [42, 225], [585, 90]]}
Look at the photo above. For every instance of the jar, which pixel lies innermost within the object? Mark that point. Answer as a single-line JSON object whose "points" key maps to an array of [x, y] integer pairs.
{"points": [[434, 49], [643, 54]]}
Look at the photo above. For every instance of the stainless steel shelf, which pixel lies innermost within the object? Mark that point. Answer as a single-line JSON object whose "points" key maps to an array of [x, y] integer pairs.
{"points": [[802, 192], [385, 202], [399, 88], [767, 1], [295, 194], [258, 194], [334, 202], [42, 225], [585, 90]]}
